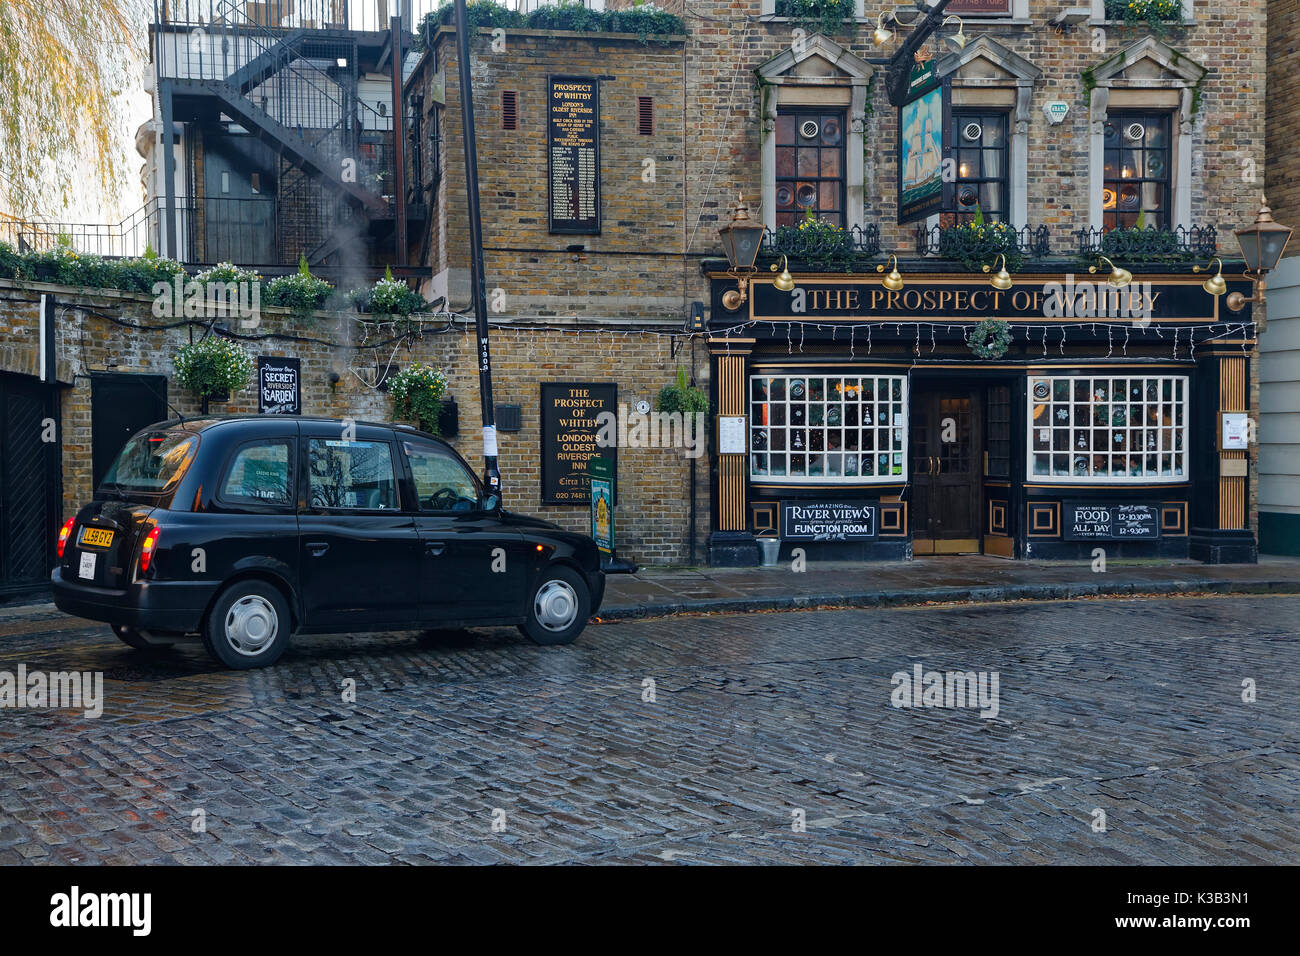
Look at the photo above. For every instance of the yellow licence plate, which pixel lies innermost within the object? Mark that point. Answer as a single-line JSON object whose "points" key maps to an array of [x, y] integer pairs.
{"points": [[97, 537]]}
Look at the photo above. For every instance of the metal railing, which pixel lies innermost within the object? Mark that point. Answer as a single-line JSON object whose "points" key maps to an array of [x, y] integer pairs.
{"points": [[820, 243], [1181, 244], [360, 15], [965, 242]]}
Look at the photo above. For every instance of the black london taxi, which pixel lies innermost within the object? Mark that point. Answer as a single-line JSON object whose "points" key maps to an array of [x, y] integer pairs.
{"points": [[247, 529]]}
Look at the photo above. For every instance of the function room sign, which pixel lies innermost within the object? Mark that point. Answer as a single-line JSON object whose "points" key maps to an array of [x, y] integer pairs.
{"points": [[828, 521], [1093, 522], [279, 386], [570, 413], [573, 154]]}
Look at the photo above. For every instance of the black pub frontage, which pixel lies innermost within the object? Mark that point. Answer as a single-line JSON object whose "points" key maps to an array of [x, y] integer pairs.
{"points": [[909, 411]]}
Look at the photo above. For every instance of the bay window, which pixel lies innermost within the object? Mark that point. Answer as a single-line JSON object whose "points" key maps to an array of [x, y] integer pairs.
{"points": [[827, 429], [1108, 429]]}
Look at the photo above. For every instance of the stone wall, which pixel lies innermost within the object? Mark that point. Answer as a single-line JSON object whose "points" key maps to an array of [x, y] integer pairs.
{"points": [[109, 331]]}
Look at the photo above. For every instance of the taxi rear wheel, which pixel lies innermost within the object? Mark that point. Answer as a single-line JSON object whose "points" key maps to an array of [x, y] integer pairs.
{"points": [[560, 606], [248, 626]]}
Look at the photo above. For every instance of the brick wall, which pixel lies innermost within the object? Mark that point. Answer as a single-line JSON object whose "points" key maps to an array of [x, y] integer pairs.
{"points": [[1282, 115], [653, 482]]}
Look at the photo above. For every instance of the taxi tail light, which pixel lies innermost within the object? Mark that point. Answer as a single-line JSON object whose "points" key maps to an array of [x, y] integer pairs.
{"points": [[147, 548], [64, 534]]}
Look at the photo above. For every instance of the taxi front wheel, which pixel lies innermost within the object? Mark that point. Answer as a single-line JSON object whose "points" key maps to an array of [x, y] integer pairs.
{"points": [[559, 608]]}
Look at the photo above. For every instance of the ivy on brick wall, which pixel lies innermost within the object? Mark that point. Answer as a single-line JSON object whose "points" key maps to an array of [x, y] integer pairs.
{"points": [[645, 19], [824, 16]]}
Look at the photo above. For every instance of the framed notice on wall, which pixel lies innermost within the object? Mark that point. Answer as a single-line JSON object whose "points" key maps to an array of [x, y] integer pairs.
{"points": [[279, 385], [573, 154], [981, 8], [570, 423]]}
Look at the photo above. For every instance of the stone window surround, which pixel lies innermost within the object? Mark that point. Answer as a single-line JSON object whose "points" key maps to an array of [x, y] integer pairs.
{"points": [[1174, 91], [1018, 91], [847, 91]]}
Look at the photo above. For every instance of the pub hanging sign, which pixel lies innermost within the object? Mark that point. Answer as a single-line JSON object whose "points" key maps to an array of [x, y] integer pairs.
{"points": [[573, 154]]}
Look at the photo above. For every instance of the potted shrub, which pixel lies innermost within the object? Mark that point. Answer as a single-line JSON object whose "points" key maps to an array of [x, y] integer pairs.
{"points": [[417, 393], [388, 296], [302, 294], [683, 398], [213, 368]]}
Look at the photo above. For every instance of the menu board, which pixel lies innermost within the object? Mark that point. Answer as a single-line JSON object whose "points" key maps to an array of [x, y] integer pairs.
{"points": [[570, 413], [828, 520], [1091, 522], [573, 154]]}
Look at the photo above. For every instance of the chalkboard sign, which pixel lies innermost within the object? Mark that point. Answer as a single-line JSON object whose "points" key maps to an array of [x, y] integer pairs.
{"points": [[279, 386], [828, 520], [570, 413], [573, 154], [1094, 522]]}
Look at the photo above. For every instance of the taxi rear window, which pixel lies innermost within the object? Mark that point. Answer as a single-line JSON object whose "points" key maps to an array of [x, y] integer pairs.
{"points": [[152, 462]]}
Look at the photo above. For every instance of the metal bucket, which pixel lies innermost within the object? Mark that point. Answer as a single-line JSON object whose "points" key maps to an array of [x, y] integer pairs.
{"points": [[770, 547]]}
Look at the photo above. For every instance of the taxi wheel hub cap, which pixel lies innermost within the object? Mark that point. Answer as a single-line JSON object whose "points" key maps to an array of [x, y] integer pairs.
{"points": [[251, 624], [556, 605]]}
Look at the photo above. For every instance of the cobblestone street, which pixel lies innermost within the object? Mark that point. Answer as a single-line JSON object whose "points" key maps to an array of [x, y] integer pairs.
{"points": [[1128, 706]]}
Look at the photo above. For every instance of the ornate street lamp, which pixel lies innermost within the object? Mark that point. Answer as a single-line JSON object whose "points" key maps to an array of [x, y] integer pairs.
{"points": [[740, 240], [1262, 244]]}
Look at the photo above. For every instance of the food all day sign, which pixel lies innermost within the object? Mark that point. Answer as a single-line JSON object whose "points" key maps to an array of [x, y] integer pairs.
{"points": [[1093, 522], [279, 386]]}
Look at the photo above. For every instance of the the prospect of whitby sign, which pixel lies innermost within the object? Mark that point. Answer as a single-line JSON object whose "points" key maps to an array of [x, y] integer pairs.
{"points": [[569, 441], [1086, 521], [828, 520], [573, 154], [1062, 298]]}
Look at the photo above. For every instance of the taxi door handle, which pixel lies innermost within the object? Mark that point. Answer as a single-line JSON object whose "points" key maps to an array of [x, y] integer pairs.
{"points": [[317, 548], [435, 548]]}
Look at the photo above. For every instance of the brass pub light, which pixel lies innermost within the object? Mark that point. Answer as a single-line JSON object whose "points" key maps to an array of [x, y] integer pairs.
{"points": [[783, 282], [1262, 245], [894, 281], [1001, 281], [880, 36], [958, 40], [740, 240], [1119, 277], [1214, 284]]}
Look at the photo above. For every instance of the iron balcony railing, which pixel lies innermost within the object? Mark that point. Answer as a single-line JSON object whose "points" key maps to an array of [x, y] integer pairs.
{"points": [[1181, 244], [966, 242], [357, 15], [821, 243]]}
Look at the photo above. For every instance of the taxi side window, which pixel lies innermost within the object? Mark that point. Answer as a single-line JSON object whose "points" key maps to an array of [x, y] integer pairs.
{"points": [[352, 474], [258, 475], [441, 482]]}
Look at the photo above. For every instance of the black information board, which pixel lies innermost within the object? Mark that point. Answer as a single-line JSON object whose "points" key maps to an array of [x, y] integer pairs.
{"points": [[573, 154], [570, 421], [279, 385], [828, 520], [1086, 521]]}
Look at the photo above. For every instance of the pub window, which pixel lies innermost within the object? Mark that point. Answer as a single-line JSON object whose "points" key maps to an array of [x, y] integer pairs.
{"points": [[509, 109], [1112, 429], [981, 140], [998, 430], [810, 166], [1136, 177], [827, 429]]}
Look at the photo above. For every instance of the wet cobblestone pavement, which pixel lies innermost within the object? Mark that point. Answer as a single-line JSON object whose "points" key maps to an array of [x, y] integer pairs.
{"points": [[1132, 707]]}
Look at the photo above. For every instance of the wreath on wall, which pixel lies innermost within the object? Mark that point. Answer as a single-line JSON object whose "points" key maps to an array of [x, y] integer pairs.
{"points": [[990, 339]]}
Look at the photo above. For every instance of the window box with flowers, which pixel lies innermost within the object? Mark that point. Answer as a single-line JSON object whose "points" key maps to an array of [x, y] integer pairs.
{"points": [[1155, 15], [387, 297], [977, 243], [417, 393], [213, 369]]}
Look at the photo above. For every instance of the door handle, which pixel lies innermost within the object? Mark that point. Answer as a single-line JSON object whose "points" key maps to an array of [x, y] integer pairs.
{"points": [[435, 548], [317, 548]]}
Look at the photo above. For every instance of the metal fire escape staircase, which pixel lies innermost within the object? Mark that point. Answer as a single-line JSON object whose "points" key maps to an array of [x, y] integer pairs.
{"points": [[296, 90]]}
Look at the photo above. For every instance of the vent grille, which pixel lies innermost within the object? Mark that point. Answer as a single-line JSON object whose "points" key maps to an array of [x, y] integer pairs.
{"points": [[1135, 131], [509, 109], [808, 129], [645, 115], [972, 132]]}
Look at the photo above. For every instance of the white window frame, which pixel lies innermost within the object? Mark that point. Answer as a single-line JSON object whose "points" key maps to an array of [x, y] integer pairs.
{"points": [[897, 428], [1179, 456]]}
